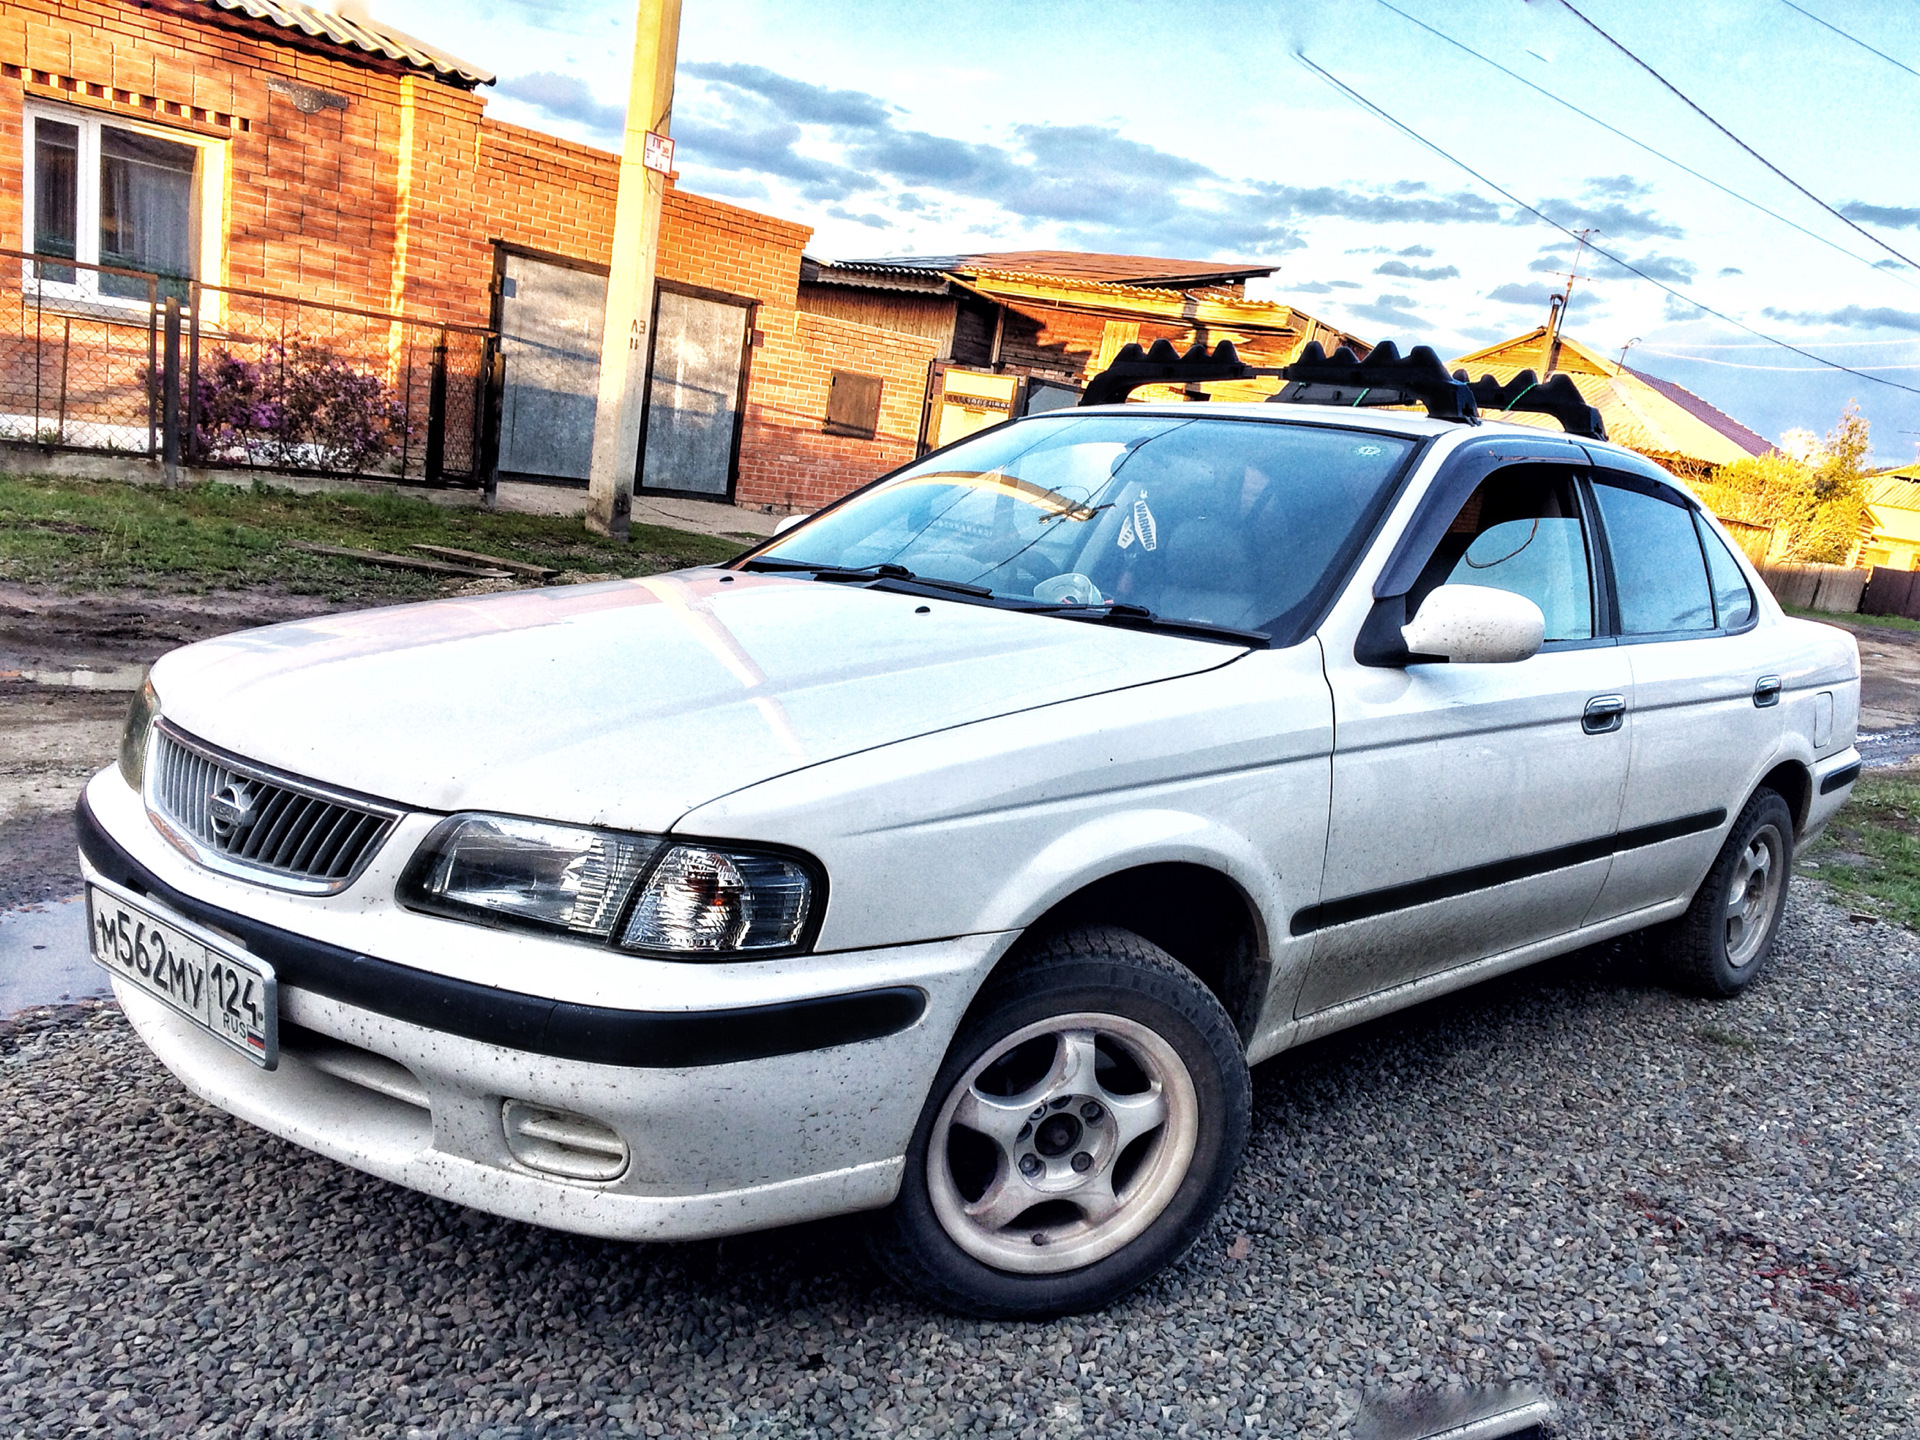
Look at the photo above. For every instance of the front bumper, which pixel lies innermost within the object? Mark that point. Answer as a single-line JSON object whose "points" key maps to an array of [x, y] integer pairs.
{"points": [[733, 1117]]}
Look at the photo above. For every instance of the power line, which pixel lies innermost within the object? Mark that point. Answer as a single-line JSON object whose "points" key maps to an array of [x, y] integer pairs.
{"points": [[1854, 38], [1736, 365], [1541, 215], [1767, 345], [1631, 140], [1675, 89]]}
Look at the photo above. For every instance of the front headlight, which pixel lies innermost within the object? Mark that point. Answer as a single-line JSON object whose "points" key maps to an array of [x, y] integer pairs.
{"points": [[657, 895], [137, 732]]}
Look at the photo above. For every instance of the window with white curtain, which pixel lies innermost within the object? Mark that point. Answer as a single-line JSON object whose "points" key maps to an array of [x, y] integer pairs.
{"points": [[127, 195]]}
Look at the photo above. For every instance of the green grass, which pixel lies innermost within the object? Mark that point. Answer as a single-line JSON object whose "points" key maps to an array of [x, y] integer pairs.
{"points": [[1886, 622], [101, 535], [1731, 1039], [1870, 854]]}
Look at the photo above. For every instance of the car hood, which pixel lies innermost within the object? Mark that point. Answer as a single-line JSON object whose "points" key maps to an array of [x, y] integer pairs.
{"points": [[630, 703]]}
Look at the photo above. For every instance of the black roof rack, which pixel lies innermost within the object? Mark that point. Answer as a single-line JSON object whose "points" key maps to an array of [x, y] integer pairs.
{"points": [[1385, 377]]}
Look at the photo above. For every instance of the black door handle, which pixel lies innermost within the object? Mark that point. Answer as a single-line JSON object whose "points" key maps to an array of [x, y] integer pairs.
{"points": [[1766, 691], [1604, 714]]}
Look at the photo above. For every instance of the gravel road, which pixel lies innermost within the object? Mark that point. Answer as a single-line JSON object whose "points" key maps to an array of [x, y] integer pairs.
{"points": [[1676, 1218]]}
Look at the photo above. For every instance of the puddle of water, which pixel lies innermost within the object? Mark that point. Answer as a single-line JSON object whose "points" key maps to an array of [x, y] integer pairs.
{"points": [[1888, 747], [113, 677]]}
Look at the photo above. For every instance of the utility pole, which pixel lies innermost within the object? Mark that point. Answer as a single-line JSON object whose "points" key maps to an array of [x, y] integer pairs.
{"points": [[1557, 307], [626, 343]]}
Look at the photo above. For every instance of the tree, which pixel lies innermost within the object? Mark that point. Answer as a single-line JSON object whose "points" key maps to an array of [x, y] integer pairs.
{"points": [[1812, 492]]}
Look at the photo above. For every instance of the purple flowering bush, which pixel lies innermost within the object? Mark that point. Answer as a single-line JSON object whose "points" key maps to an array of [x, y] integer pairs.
{"points": [[297, 406]]}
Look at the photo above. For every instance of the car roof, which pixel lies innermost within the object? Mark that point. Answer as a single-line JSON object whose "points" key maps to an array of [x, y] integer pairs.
{"points": [[1400, 422]]}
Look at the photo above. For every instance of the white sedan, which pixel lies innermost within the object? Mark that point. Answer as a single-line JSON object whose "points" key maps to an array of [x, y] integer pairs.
{"points": [[954, 854]]}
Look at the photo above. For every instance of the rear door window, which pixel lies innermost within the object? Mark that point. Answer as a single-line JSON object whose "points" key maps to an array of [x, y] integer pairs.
{"points": [[1659, 573], [1732, 596]]}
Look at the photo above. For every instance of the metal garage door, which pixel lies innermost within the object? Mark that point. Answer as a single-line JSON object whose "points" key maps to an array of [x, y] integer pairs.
{"points": [[693, 399], [550, 323]]}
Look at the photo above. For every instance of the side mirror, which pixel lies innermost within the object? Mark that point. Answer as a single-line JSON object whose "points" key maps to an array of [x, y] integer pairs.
{"points": [[788, 523], [1476, 625]]}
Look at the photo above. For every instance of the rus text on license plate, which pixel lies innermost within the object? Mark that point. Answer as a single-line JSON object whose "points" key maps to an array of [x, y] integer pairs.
{"points": [[230, 995]]}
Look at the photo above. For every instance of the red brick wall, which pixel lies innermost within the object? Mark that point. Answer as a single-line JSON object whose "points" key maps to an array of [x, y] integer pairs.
{"points": [[786, 457], [546, 193], [394, 204]]}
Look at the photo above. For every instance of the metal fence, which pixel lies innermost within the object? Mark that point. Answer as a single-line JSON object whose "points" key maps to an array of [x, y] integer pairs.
{"points": [[240, 378], [78, 371]]}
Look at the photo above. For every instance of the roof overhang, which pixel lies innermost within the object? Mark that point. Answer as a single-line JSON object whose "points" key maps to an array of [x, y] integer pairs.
{"points": [[349, 29], [857, 275]]}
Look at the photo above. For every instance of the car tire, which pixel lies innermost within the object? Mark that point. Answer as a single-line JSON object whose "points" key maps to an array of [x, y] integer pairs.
{"points": [[1723, 942], [1111, 1099]]}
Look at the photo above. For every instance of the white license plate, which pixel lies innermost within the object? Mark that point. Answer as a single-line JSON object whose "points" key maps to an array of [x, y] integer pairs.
{"points": [[229, 994]]}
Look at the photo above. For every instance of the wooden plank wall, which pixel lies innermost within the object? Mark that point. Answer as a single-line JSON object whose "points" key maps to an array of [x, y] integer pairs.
{"points": [[1834, 589], [1892, 592]]}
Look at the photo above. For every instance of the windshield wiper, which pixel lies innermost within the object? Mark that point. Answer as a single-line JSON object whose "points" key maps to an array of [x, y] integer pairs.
{"points": [[1138, 617], [886, 570]]}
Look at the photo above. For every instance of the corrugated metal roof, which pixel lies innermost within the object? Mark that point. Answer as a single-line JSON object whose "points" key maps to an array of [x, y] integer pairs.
{"points": [[1149, 271], [1748, 440], [867, 275], [354, 29], [1896, 491]]}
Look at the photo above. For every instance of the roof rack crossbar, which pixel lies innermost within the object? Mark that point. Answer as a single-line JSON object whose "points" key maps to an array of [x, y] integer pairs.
{"points": [[1385, 377], [1557, 396], [1163, 365]]}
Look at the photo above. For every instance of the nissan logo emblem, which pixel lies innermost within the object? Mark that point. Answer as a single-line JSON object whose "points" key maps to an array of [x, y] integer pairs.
{"points": [[230, 811]]}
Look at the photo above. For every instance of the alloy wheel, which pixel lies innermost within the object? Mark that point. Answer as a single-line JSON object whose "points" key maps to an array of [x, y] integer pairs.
{"points": [[1753, 894], [1062, 1143]]}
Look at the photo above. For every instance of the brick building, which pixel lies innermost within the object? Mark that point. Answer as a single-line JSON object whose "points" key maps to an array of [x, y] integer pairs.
{"points": [[267, 146]]}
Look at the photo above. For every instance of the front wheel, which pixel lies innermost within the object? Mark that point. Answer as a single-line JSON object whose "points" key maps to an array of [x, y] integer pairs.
{"points": [[1723, 942], [1082, 1132]]}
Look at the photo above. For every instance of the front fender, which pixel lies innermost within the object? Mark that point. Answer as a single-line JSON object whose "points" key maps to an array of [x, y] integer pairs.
{"points": [[1098, 848], [982, 827]]}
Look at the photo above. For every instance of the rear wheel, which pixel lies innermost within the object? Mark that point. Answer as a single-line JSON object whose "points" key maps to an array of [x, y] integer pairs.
{"points": [[1723, 942], [1080, 1135]]}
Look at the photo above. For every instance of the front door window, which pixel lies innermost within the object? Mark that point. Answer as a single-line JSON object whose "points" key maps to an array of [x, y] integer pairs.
{"points": [[1521, 531]]}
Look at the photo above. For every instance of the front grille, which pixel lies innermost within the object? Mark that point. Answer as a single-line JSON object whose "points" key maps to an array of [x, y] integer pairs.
{"points": [[243, 819]]}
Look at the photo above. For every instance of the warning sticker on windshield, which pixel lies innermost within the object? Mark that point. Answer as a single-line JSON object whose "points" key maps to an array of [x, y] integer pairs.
{"points": [[1143, 526]]}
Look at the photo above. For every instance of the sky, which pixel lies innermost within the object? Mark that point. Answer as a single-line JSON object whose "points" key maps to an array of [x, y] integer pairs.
{"points": [[1197, 130]]}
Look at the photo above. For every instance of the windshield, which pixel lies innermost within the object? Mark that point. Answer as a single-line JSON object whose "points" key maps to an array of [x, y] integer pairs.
{"points": [[1238, 523]]}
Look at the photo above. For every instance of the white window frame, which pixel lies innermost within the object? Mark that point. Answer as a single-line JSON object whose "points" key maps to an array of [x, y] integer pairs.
{"points": [[208, 243]]}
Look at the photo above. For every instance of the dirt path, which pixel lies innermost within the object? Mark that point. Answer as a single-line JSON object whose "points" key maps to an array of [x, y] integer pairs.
{"points": [[45, 631], [67, 663]]}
